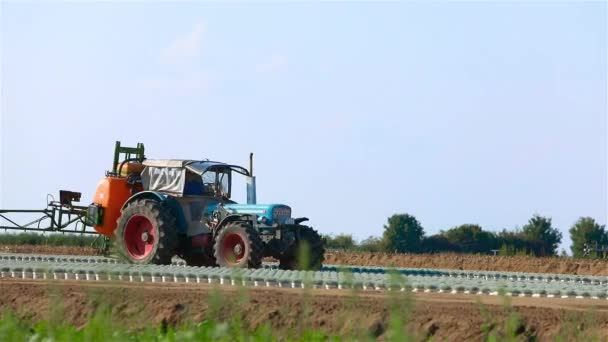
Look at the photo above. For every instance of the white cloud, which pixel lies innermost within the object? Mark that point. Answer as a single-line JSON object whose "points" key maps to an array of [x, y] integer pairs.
{"points": [[185, 47], [276, 63]]}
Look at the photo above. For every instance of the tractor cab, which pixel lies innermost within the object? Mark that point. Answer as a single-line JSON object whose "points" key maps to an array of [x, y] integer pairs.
{"points": [[180, 178]]}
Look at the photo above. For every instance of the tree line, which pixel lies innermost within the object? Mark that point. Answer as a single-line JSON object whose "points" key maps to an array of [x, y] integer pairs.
{"points": [[403, 233]]}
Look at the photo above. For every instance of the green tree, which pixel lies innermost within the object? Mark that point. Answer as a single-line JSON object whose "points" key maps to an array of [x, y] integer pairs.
{"points": [[586, 231], [438, 243], [470, 238], [403, 233], [514, 242], [539, 230]]}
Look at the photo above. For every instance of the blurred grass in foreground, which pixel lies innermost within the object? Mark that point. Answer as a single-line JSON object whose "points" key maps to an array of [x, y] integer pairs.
{"points": [[102, 323]]}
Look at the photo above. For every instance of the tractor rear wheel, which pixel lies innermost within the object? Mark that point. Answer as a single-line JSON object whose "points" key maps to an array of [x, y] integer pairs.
{"points": [[307, 253], [146, 233], [237, 244]]}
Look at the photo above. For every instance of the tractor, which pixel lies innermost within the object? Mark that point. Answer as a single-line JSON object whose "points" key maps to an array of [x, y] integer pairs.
{"points": [[156, 209]]}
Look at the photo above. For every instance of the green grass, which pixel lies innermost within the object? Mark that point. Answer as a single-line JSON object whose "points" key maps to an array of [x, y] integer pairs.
{"points": [[54, 239], [100, 328]]}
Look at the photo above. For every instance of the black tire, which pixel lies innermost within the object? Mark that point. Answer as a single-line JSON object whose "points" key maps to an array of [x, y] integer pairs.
{"points": [[249, 253], [200, 257], [161, 242], [311, 240]]}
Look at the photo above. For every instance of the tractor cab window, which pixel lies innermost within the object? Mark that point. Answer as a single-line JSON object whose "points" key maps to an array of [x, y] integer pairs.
{"points": [[165, 179], [217, 183]]}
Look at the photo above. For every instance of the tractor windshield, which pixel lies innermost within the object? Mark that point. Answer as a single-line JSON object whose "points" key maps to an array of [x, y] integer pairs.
{"points": [[217, 183], [217, 177]]}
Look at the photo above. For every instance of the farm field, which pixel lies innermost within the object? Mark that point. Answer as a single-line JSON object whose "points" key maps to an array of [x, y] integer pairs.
{"points": [[343, 313]]}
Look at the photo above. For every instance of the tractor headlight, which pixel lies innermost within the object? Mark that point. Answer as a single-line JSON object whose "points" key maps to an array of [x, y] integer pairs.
{"points": [[94, 215]]}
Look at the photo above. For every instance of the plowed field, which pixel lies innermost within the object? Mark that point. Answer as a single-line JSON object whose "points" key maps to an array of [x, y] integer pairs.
{"points": [[443, 316], [453, 317], [472, 262]]}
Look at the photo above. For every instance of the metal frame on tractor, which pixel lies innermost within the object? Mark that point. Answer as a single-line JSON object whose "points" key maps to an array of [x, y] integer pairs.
{"points": [[64, 216]]}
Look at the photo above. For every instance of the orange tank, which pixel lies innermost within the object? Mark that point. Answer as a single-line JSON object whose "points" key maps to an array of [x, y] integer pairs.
{"points": [[131, 168], [111, 194]]}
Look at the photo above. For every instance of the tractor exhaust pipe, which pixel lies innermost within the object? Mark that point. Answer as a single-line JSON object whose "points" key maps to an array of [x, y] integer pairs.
{"points": [[251, 164], [251, 191]]}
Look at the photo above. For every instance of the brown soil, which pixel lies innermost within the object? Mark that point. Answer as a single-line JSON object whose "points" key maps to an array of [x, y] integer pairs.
{"points": [[471, 262], [445, 261], [443, 316]]}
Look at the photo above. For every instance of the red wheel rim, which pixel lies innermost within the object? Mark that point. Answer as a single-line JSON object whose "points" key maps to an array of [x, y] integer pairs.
{"points": [[233, 249], [139, 237]]}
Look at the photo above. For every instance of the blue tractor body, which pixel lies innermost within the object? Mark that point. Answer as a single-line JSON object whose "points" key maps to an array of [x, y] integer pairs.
{"points": [[267, 214]]}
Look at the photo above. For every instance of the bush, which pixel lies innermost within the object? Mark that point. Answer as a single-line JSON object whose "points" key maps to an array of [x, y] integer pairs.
{"points": [[340, 241], [371, 244], [438, 243], [53, 239]]}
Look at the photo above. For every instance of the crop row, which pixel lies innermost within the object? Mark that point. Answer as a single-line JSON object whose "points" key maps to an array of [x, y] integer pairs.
{"points": [[484, 275], [272, 277]]}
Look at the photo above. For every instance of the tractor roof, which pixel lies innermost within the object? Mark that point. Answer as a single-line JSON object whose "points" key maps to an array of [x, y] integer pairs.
{"points": [[197, 166], [166, 162]]}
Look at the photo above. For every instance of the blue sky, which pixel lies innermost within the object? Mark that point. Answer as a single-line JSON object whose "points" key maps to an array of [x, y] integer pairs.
{"points": [[455, 113]]}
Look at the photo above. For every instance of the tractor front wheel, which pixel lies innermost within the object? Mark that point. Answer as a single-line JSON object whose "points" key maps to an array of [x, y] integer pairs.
{"points": [[306, 254], [146, 233], [238, 245]]}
